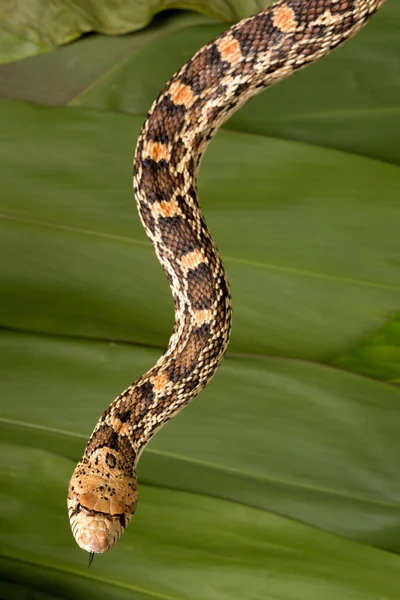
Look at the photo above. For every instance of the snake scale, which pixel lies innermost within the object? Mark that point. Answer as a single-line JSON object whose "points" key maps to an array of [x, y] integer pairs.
{"points": [[253, 54]]}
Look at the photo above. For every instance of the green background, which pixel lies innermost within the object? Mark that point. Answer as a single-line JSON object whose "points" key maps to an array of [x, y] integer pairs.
{"points": [[281, 480]]}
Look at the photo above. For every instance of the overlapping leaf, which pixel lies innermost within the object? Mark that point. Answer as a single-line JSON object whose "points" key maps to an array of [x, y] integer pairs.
{"points": [[308, 278], [36, 26]]}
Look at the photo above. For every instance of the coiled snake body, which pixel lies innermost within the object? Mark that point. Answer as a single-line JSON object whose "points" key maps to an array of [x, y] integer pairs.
{"points": [[252, 55]]}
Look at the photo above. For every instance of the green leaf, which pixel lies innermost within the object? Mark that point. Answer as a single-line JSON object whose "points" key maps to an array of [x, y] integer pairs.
{"points": [[309, 442], [181, 546], [377, 356], [14, 48], [38, 25], [310, 240], [57, 78], [308, 278], [347, 101]]}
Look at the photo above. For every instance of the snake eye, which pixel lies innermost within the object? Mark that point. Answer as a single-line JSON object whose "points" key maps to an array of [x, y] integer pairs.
{"points": [[78, 507]]}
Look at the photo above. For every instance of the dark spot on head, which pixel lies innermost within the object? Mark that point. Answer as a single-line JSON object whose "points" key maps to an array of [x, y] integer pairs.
{"points": [[111, 461]]}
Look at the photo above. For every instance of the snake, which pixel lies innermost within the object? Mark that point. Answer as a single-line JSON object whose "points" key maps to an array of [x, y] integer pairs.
{"points": [[253, 54]]}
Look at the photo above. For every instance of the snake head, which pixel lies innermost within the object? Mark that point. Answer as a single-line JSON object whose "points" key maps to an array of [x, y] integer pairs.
{"points": [[101, 503]]}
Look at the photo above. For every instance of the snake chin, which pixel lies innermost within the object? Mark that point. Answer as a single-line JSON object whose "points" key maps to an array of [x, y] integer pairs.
{"points": [[97, 522], [97, 532]]}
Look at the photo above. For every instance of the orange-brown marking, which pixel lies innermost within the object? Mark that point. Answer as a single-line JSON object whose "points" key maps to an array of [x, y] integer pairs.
{"points": [[126, 429], [119, 427], [160, 382], [202, 316], [165, 209], [115, 423], [284, 18], [181, 94], [229, 49], [156, 150], [192, 260]]}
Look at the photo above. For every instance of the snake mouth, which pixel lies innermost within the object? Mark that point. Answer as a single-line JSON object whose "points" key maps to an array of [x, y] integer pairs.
{"points": [[95, 531], [96, 513]]}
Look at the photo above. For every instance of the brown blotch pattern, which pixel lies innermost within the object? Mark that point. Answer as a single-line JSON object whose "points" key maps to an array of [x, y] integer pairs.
{"points": [[166, 121], [204, 71], [252, 55], [177, 235], [201, 287], [186, 362], [255, 40]]}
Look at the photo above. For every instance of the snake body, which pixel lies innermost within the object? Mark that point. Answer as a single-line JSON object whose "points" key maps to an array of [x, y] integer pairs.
{"points": [[251, 55]]}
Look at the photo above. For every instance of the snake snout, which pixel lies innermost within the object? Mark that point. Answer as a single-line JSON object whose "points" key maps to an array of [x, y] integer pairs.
{"points": [[95, 533], [97, 522]]}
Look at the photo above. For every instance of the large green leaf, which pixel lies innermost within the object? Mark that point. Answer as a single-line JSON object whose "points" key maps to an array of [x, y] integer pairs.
{"points": [[302, 440], [308, 279], [215, 549], [310, 240]]}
